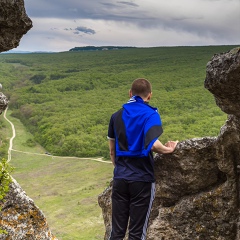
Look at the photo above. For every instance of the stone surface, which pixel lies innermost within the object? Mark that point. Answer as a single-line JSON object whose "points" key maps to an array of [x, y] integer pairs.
{"points": [[223, 82], [3, 102], [21, 218], [197, 186], [14, 23]]}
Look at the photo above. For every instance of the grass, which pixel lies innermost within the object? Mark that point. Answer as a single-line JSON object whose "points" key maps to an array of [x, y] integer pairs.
{"points": [[65, 189]]}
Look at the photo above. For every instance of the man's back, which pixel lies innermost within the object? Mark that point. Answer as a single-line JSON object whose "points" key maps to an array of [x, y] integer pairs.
{"points": [[137, 125]]}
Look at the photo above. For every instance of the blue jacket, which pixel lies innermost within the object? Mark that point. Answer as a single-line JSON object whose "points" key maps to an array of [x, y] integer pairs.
{"points": [[137, 126]]}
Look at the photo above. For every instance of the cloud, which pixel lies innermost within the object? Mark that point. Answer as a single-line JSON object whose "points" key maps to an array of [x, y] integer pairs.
{"points": [[131, 22], [85, 30], [82, 9], [79, 30], [109, 5], [128, 3], [173, 14]]}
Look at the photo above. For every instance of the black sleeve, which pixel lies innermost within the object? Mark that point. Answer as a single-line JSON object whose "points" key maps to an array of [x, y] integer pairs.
{"points": [[111, 134]]}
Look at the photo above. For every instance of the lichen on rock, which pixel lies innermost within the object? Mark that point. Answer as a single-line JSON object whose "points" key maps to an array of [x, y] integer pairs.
{"points": [[21, 218]]}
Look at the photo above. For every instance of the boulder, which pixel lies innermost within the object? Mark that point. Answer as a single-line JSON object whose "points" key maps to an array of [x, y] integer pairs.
{"points": [[21, 218], [14, 23], [3, 102]]}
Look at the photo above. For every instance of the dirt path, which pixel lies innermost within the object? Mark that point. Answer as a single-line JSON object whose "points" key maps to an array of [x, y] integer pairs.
{"points": [[10, 149], [13, 136], [53, 156]]}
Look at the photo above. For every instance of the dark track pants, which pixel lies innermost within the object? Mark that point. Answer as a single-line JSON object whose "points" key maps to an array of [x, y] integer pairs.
{"points": [[131, 201]]}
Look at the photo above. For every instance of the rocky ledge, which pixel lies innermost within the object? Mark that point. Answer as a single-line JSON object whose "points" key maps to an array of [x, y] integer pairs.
{"points": [[14, 23], [21, 218]]}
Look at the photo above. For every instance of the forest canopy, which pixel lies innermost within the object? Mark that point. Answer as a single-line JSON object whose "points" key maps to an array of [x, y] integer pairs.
{"points": [[66, 99]]}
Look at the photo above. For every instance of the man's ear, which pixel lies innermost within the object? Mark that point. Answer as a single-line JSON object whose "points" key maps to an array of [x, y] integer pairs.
{"points": [[149, 96], [130, 93]]}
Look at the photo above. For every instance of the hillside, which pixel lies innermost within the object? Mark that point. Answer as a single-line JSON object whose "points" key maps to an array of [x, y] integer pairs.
{"points": [[65, 189], [66, 99]]}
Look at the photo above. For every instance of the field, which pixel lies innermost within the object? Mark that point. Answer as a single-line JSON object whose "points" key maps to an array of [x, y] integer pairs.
{"points": [[61, 103], [65, 189]]}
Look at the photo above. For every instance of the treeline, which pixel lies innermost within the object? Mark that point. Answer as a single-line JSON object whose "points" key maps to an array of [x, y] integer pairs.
{"points": [[66, 99], [100, 48]]}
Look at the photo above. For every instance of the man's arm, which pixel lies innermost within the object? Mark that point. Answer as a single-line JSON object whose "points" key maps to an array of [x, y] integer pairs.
{"points": [[112, 150], [169, 147]]}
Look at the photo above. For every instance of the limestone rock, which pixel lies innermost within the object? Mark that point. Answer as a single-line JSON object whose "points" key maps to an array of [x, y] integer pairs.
{"points": [[222, 80], [3, 102], [21, 218], [14, 23], [197, 186]]}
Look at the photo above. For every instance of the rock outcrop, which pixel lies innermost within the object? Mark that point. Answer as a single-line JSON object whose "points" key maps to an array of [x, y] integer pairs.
{"points": [[21, 218], [197, 187], [14, 23], [3, 102]]}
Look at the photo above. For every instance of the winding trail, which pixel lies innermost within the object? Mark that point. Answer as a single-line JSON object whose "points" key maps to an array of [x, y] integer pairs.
{"points": [[10, 149], [13, 136]]}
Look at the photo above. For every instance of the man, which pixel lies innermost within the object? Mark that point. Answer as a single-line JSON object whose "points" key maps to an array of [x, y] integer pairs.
{"points": [[133, 135]]}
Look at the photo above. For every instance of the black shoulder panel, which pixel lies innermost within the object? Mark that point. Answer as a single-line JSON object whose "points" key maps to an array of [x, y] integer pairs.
{"points": [[153, 132], [120, 129]]}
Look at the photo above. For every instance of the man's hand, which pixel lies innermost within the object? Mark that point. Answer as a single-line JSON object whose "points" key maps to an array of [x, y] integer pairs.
{"points": [[169, 147], [171, 144]]}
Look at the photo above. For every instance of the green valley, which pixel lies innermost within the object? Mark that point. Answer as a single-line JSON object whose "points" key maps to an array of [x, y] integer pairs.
{"points": [[61, 103], [66, 99]]}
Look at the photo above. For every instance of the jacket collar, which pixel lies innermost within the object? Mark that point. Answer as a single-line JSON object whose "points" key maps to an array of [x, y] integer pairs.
{"points": [[135, 99]]}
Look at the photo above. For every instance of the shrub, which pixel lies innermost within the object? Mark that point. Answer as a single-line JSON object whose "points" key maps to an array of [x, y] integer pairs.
{"points": [[38, 78], [5, 178]]}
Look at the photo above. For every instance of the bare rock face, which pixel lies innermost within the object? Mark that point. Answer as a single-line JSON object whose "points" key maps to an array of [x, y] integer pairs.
{"points": [[21, 218], [223, 82], [14, 23], [197, 187], [3, 102]]}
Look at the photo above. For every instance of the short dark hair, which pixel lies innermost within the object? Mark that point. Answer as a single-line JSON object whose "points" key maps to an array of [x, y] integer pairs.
{"points": [[141, 87]]}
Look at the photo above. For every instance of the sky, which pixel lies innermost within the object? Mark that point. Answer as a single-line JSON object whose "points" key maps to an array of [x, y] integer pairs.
{"points": [[59, 25]]}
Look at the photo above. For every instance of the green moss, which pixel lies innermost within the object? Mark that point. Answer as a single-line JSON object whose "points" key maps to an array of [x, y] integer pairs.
{"points": [[5, 180]]}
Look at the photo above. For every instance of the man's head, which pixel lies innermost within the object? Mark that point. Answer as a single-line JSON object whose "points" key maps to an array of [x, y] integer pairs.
{"points": [[141, 87]]}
